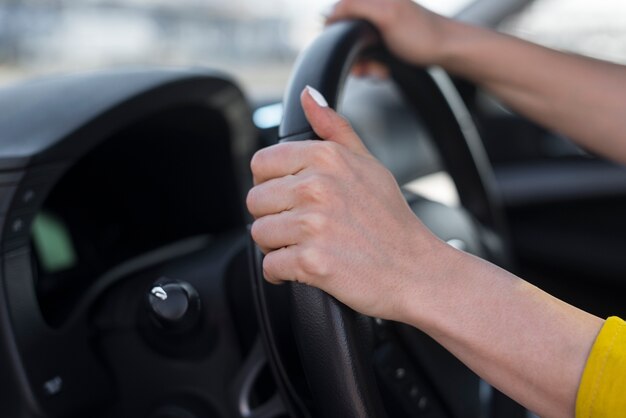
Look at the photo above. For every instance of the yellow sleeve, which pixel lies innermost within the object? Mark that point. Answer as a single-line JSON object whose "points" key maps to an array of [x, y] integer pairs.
{"points": [[602, 390]]}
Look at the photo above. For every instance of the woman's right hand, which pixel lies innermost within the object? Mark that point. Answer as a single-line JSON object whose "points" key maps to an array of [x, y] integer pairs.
{"points": [[411, 32]]}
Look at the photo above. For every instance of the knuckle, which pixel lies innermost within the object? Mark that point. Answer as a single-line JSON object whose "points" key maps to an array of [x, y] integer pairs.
{"points": [[311, 262], [343, 125], [312, 188], [327, 153], [313, 223]]}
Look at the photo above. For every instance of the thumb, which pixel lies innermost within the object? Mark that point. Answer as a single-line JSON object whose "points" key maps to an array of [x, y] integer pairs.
{"points": [[327, 123]]}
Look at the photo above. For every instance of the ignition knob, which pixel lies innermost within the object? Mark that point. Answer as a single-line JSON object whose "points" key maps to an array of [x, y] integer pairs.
{"points": [[174, 305]]}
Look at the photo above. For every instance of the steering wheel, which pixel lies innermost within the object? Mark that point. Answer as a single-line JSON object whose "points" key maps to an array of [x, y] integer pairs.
{"points": [[334, 342]]}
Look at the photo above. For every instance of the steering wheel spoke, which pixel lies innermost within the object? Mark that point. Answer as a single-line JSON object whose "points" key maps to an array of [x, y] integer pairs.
{"points": [[245, 382], [270, 409]]}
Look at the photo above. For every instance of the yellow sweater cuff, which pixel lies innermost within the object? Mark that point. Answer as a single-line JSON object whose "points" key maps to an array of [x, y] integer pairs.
{"points": [[602, 390]]}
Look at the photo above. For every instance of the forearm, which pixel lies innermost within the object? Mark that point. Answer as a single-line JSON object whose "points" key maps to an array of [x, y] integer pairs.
{"points": [[582, 98], [526, 343]]}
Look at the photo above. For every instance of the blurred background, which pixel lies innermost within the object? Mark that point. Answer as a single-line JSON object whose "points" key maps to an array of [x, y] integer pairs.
{"points": [[255, 41]]}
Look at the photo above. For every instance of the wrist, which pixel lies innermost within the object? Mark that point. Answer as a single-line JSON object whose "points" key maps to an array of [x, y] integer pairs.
{"points": [[453, 50], [433, 272]]}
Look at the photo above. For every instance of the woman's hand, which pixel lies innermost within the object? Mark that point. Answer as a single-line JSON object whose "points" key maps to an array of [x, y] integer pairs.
{"points": [[328, 214], [520, 74], [410, 31]]}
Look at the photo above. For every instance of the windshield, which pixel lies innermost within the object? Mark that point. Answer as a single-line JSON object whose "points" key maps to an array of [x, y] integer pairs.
{"points": [[255, 41]]}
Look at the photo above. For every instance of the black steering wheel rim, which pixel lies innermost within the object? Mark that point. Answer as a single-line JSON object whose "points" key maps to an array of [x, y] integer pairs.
{"points": [[330, 336]]}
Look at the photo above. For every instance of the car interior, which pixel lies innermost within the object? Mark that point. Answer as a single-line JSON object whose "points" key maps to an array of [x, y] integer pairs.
{"points": [[120, 186]]}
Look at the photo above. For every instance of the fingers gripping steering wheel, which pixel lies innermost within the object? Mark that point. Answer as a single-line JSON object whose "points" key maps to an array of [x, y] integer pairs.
{"points": [[333, 341]]}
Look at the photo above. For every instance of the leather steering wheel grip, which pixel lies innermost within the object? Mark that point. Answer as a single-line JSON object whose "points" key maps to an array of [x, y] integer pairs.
{"points": [[332, 339], [324, 66]]}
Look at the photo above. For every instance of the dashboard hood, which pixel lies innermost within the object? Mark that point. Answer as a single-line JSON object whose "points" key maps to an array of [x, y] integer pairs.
{"points": [[40, 115]]}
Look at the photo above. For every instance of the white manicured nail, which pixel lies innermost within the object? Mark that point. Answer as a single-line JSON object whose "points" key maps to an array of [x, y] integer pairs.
{"points": [[317, 96]]}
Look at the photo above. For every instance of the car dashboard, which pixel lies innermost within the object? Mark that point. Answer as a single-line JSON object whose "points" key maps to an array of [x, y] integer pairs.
{"points": [[116, 183], [99, 170]]}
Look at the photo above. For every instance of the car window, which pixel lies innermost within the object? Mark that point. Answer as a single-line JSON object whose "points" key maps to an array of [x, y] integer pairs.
{"points": [[595, 28], [254, 40]]}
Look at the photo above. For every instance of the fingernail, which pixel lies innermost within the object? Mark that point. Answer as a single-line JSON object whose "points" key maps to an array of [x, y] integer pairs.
{"points": [[317, 96]]}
